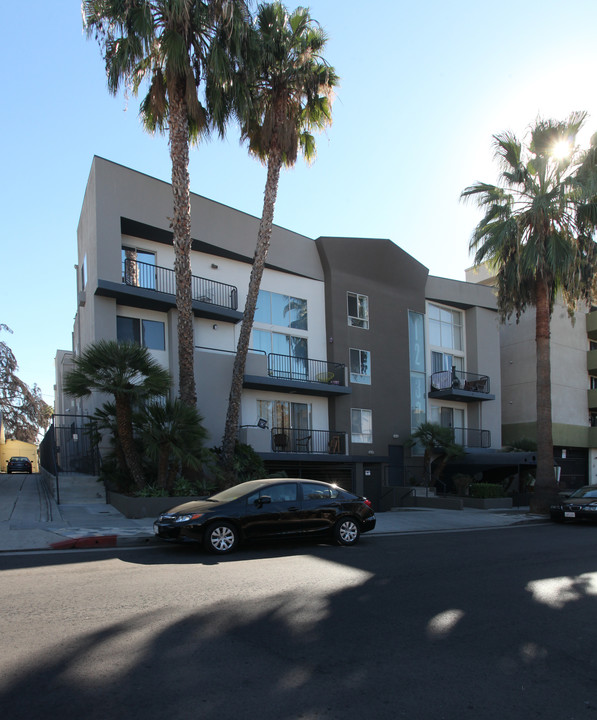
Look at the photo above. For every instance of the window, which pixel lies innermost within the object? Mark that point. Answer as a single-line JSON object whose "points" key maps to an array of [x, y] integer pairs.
{"points": [[285, 310], [290, 353], [360, 366], [282, 414], [149, 333], [445, 361], [312, 491], [287, 492], [358, 310], [445, 327], [418, 406], [138, 268], [361, 426], [84, 273], [593, 382]]}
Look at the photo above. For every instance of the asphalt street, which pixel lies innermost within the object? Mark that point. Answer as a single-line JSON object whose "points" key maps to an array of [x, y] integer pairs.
{"points": [[483, 625]]}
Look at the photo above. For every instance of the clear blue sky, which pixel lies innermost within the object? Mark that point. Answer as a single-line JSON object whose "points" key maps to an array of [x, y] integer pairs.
{"points": [[424, 86]]}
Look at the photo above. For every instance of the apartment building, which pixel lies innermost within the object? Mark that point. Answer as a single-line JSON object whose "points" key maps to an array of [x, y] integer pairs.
{"points": [[353, 345]]}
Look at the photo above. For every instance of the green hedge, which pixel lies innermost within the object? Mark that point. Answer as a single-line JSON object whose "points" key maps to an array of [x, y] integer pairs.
{"points": [[486, 490]]}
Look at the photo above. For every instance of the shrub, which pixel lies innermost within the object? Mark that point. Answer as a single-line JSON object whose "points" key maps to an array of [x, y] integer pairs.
{"points": [[486, 490]]}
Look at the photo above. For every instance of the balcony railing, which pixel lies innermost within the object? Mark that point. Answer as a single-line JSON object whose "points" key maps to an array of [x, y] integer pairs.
{"points": [[293, 440], [459, 380], [471, 438], [163, 280], [286, 367]]}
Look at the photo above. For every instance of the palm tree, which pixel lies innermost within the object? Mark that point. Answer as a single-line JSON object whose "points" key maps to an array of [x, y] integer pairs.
{"points": [[173, 436], [537, 236], [175, 45], [128, 373], [284, 93], [438, 443]]}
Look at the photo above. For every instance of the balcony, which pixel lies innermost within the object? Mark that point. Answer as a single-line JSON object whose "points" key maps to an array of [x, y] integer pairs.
{"points": [[460, 386], [153, 287], [323, 442], [284, 373], [471, 437]]}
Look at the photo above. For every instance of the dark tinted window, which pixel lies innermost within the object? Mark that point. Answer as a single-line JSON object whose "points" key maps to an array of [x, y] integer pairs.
{"points": [[313, 491]]}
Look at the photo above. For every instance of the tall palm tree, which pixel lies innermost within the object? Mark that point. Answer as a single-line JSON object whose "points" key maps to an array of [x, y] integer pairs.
{"points": [[284, 94], [128, 373], [174, 45], [537, 236]]}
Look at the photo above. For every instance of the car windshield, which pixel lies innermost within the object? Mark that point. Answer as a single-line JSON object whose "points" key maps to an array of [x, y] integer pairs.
{"points": [[237, 491], [18, 459], [587, 492]]}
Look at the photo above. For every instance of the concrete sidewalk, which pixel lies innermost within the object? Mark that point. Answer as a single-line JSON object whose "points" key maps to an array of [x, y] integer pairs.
{"points": [[30, 518]]}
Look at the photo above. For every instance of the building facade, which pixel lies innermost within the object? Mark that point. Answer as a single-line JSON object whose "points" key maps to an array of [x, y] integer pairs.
{"points": [[353, 344]]}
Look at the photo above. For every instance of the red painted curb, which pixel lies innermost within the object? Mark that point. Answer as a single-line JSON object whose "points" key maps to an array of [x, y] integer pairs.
{"points": [[86, 542]]}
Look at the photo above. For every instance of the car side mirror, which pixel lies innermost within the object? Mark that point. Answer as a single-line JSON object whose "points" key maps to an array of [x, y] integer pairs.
{"points": [[263, 500]]}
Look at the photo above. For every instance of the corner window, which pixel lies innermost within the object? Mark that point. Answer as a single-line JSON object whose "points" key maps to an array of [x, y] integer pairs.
{"points": [[284, 310], [149, 333], [358, 310], [445, 328], [361, 426], [360, 366]]}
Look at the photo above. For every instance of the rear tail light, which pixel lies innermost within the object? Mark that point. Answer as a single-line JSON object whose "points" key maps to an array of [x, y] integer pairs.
{"points": [[367, 502]]}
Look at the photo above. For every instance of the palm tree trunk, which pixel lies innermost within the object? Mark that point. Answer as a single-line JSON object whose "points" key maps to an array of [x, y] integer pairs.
{"points": [[181, 228], [545, 485], [274, 166], [124, 424]]}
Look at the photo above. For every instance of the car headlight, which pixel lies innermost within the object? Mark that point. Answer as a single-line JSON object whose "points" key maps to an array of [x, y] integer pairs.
{"points": [[186, 518], [592, 508]]}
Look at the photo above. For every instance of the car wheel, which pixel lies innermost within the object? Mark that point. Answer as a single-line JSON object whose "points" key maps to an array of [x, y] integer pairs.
{"points": [[221, 537], [346, 531]]}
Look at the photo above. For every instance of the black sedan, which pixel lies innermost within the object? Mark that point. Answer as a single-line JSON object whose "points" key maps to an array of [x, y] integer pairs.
{"points": [[19, 464], [273, 508], [580, 505]]}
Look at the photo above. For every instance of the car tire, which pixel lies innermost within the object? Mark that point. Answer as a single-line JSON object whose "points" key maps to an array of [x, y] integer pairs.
{"points": [[221, 538], [347, 531]]}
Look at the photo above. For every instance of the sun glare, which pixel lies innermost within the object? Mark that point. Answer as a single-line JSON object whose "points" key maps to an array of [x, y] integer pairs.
{"points": [[562, 149]]}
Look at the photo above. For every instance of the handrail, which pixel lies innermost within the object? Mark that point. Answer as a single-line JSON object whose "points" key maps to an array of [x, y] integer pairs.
{"points": [[460, 380], [140, 274], [303, 440], [288, 367]]}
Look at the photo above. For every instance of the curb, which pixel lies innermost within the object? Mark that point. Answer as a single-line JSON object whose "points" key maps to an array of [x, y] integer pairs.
{"points": [[101, 541]]}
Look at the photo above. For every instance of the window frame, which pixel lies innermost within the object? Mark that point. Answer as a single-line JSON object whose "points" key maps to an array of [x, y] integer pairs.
{"points": [[360, 378], [362, 301], [139, 332], [354, 436]]}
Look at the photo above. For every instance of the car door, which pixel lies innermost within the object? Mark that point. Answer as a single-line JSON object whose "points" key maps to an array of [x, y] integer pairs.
{"points": [[320, 507], [272, 510]]}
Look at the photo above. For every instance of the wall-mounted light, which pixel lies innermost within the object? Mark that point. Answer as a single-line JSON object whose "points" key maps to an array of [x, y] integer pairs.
{"points": [[214, 266], [215, 326], [395, 436], [331, 339], [370, 452]]}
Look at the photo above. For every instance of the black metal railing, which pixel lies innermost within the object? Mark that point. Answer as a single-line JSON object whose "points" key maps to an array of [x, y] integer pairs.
{"points": [[163, 280], [471, 438], [459, 380], [293, 440], [70, 446], [286, 367]]}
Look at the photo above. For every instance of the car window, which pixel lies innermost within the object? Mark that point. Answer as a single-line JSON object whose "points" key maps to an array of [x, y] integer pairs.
{"points": [[313, 491], [585, 492], [278, 493]]}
